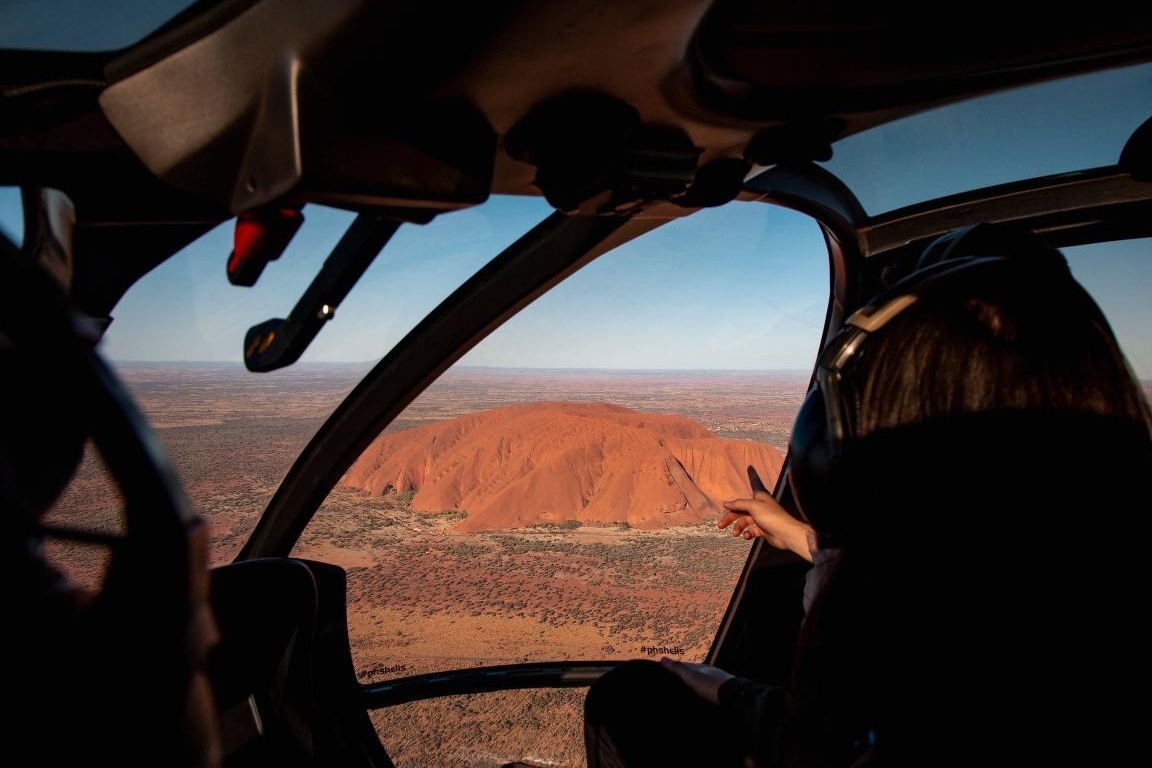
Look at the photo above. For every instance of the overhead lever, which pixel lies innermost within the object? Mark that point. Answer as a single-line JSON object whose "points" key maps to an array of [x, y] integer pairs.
{"points": [[277, 343]]}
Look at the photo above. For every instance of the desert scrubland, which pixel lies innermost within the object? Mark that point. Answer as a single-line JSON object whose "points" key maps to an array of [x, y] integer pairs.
{"points": [[429, 591]]}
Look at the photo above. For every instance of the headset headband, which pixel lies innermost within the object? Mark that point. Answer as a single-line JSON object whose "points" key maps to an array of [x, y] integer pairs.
{"points": [[827, 419]]}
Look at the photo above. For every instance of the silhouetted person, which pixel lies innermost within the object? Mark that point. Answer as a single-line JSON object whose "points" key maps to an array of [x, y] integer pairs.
{"points": [[967, 468], [112, 675]]}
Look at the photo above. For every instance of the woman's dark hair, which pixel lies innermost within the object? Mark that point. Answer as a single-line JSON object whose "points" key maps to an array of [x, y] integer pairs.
{"points": [[1026, 340], [1002, 332]]}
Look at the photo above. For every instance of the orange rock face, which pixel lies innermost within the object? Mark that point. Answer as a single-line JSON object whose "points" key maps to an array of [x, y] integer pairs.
{"points": [[555, 462]]}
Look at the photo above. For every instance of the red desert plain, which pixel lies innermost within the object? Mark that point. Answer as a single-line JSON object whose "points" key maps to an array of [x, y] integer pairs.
{"points": [[506, 516]]}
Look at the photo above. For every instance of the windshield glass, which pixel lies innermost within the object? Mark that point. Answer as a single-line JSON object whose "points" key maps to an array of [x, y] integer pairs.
{"points": [[82, 25], [1038, 130], [554, 496]]}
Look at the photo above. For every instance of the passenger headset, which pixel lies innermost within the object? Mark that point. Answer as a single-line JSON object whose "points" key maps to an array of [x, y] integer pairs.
{"points": [[825, 425]]}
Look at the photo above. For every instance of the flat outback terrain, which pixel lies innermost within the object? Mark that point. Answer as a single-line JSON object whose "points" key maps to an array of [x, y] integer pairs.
{"points": [[449, 567]]}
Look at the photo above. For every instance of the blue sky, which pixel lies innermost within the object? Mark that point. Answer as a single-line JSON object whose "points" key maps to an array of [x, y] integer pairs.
{"points": [[739, 287], [82, 25], [699, 293]]}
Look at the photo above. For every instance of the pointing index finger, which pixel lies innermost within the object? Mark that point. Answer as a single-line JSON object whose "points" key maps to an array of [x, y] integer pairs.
{"points": [[757, 483]]}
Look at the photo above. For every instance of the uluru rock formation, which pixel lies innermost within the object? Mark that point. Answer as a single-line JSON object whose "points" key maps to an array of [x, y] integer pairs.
{"points": [[554, 462]]}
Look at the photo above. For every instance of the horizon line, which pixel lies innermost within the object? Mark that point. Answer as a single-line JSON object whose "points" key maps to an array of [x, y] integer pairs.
{"points": [[369, 364]]}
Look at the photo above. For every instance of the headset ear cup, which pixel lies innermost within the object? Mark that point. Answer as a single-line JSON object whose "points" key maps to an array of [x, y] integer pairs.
{"points": [[810, 461]]}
